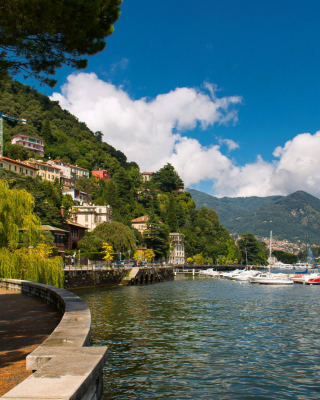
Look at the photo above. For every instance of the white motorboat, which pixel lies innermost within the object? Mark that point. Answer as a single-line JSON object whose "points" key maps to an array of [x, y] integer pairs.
{"points": [[245, 275], [271, 279], [209, 272]]}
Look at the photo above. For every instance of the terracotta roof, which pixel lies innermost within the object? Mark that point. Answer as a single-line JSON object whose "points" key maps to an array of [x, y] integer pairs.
{"points": [[18, 162], [147, 173], [140, 219], [75, 166]]}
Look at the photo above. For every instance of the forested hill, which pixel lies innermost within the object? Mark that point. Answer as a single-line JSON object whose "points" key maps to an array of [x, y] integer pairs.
{"points": [[161, 199], [65, 137], [230, 207], [289, 217]]}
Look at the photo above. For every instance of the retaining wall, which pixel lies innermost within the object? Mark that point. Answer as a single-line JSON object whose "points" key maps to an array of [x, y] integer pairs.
{"points": [[86, 278], [64, 367]]}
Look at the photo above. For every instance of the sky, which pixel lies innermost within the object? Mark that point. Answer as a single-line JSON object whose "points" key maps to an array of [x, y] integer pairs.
{"points": [[227, 91]]}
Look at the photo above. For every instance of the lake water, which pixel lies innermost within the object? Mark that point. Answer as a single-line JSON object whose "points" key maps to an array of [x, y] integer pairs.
{"points": [[204, 338]]}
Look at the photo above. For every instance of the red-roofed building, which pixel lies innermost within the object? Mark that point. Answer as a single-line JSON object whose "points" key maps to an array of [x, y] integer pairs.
{"points": [[101, 174], [140, 224], [18, 167]]}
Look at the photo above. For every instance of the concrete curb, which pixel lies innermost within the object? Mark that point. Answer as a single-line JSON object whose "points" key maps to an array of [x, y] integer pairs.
{"points": [[64, 368]]}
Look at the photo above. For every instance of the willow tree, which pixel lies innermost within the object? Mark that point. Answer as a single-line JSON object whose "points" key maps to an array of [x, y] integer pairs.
{"points": [[16, 215]]}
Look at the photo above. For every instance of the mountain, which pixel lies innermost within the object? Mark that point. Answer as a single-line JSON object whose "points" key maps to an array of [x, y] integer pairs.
{"points": [[229, 208], [289, 217]]}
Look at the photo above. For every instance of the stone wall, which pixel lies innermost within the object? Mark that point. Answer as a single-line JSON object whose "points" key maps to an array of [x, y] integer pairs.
{"points": [[64, 367], [77, 278]]}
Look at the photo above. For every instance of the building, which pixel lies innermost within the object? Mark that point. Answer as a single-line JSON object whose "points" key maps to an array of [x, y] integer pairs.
{"points": [[77, 195], [69, 173], [101, 174], [45, 170], [18, 167], [76, 233], [141, 224], [92, 216], [78, 172], [32, 143], [146, 176], [59, 236], [177, 254]]}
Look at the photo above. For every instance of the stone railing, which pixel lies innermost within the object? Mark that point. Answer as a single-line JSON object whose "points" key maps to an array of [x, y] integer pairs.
{"points": [[63, 366]]}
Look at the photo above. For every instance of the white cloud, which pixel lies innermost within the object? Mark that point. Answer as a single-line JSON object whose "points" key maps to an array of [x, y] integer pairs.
{"points": [[149, 132], [231, 144]]}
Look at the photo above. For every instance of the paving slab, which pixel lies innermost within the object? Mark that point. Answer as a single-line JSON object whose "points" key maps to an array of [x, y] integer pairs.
{"points": [[24, 324]]}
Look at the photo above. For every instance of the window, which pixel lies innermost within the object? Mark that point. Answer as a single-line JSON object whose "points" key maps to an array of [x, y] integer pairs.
{"points": [[15, 167], [9, 166], [20, 169], [1, 165], [86, 218], [31, 173]]}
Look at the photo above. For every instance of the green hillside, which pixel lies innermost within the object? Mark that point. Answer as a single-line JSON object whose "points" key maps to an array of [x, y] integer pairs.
{"points": [[70, 140], [65, 137]]}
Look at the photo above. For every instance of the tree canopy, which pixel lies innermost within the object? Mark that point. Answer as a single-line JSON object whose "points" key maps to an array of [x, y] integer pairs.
{"points": [[16, 214], [256, 251], [38, 37]]}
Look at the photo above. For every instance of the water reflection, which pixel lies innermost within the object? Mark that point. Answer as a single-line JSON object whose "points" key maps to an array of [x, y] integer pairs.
{"points": [[207, 338]]}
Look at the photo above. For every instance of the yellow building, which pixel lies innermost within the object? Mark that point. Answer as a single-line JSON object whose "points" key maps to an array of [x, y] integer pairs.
{"points": [[46, 171], [18, 167]]}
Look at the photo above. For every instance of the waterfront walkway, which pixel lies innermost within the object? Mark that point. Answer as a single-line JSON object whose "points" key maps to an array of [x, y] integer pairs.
{"points": [[24, 324]]}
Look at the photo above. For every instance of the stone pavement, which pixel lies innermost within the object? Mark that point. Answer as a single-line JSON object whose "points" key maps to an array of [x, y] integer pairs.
{"points": [[24, 324]]}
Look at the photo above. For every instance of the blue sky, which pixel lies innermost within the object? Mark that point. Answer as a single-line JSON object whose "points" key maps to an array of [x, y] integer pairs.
{"points": [[264, 54]]}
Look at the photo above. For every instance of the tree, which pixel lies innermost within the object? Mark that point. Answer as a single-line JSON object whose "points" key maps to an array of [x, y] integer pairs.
{"points": [[16, 214], [149, 254], [167, 179], [108, 251], [38, 37], [256, 251], [117, 235], [172, 214]]}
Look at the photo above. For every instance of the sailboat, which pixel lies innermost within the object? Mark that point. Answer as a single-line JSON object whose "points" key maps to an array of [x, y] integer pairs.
{"points": [[269, 278]]}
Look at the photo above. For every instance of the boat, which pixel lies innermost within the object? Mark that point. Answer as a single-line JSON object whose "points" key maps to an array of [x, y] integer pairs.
{"points": [[270, 278], [311, 275], [209, 272], [244, 275]]}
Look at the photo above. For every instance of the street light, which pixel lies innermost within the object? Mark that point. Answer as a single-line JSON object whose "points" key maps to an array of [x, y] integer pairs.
{"points": [[2, 117]]}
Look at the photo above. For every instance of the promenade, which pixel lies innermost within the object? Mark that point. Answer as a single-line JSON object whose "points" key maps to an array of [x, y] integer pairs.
{"points": [[24, 324]]}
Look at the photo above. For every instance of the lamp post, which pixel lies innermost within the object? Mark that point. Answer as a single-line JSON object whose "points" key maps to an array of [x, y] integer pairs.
{"points": [[2, 117]]}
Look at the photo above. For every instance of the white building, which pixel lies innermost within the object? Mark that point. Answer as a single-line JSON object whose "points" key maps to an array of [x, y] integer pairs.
{"points": [[92, 216], [177, 254], [77, 195]]}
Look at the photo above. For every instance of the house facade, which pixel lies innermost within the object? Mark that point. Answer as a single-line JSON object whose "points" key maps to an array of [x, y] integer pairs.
{"points": [[59, 237], [77, 195], [101, 174], [146, 176], [45, 170], [32, 143], [76, 233], [177, 255], [18, 167], [69, 173], [140, 224], [91, 216]]}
